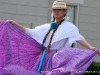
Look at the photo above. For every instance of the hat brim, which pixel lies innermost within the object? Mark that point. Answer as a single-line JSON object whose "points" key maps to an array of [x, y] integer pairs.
{"points": [[61, 8]]}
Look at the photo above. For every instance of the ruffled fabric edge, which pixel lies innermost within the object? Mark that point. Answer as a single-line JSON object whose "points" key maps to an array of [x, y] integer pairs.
{"points": [[65, 30]]}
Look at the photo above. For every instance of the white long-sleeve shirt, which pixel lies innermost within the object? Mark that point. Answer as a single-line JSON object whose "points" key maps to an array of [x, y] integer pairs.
{"points": [[66, 34]]}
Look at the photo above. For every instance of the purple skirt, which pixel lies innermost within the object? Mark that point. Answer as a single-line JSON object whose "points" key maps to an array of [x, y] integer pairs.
{"points": [[18, 55]]}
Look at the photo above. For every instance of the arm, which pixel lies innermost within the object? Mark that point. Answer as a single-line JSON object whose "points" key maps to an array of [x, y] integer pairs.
{"points": [[86, 44], [17, 25]]}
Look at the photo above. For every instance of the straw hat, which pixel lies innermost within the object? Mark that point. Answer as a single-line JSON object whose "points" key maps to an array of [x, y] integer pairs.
{"points": [[58, 4]]}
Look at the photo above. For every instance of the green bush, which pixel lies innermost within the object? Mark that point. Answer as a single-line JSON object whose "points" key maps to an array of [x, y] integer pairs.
{"points": [[94, 69], [31, 26]]}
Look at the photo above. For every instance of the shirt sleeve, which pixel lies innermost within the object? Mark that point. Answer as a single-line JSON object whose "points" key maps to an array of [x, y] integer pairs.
{"points": [[29, 31], [74, 38]]}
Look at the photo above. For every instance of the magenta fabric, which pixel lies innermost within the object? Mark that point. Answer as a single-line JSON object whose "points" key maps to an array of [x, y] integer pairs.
{"points": [[18, 55], [16, 47]]}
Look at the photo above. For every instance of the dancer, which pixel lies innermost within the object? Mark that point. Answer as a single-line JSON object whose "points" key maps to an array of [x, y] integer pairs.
{"points": [[56, 39]]}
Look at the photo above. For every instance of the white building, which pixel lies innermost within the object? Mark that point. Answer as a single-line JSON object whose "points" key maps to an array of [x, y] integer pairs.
{"points": [[85, 14]]}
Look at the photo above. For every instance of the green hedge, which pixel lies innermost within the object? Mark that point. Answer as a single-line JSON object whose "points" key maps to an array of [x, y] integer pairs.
{"points": [[94, 69], [31, 26]]}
